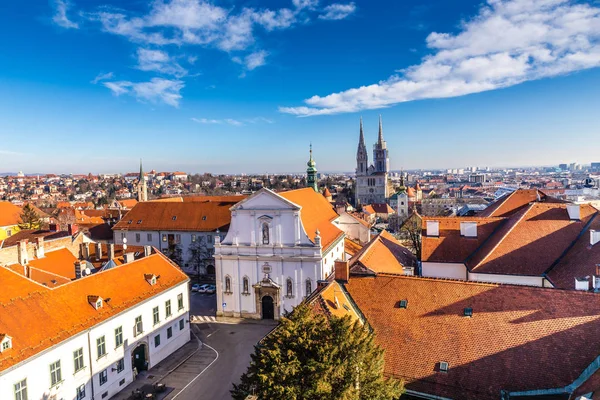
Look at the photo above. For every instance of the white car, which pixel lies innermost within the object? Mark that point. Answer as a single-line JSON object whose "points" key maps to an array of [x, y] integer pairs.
{"points": [[203, 288], [196, 287]]}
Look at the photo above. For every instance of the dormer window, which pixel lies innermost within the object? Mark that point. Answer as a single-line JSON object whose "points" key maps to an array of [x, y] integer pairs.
{"points": [[174, 217], [150, 278], [468, 312], [96, 302], [444, 366], [5, 343], [139, 221], [129, 222]]}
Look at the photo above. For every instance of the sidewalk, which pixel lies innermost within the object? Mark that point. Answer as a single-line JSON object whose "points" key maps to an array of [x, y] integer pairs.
{"points": [[146, 379]]}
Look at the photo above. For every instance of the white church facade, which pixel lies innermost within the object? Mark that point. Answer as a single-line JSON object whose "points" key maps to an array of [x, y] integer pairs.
{"points": [[279, 245]]}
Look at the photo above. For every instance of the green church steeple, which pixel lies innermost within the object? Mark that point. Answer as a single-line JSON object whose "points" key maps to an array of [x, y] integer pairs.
{"points": [[311, 173]]}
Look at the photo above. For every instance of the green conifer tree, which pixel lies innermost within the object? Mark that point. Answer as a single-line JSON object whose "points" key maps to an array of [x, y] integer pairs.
{"points": [[29, 218], [309, 357]]}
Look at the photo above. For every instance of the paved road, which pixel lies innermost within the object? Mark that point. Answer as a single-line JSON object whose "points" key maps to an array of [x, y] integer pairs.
{"points": [[210, 373]]}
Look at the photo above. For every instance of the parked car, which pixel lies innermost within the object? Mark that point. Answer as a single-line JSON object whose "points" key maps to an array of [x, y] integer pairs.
{"points": [[202, 289], [196, 287], [211, 289]]}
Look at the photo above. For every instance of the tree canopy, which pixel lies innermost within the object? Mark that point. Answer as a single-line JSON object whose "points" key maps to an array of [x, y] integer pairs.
{"points": [[29, 218], [310, 357]]}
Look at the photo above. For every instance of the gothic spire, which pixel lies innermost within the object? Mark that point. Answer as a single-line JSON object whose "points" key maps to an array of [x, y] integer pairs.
{"points": [[141, 171], [380, 139], [361, 141]]}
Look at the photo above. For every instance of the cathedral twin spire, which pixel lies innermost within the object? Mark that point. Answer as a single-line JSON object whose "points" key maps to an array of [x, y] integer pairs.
{"points": [[380, 156]]}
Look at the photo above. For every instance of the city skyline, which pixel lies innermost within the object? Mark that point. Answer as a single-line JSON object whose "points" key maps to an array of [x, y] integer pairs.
{"points": [[221, 86]]}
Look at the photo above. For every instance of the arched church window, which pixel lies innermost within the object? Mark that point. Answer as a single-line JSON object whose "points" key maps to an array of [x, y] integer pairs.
{"points": [[227, 284], [289, 288], [265, 233], [308, 287], [245, 285]]}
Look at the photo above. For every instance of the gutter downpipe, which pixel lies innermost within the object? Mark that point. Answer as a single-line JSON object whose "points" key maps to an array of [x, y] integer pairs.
{"points": [[90, 358], [425, 395]]}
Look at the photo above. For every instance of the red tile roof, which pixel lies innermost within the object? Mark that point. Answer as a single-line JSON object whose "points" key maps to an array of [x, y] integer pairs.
{"points": [[450, 246], [59, 262], [9, 214], [513, 202], [351, 247], [519, 338], [316, 214], [383, 253], [32, 235], [532, 240], [580, 260], [378, 208], [38, 318], [14, 285], [200, 215]]}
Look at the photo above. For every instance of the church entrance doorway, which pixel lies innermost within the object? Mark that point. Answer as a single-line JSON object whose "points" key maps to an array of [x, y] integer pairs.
{"points": [[268, 310], [138, 358]]}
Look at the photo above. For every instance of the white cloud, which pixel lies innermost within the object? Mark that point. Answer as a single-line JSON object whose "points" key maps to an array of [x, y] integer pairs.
{"points": [[157, 90], [207, 121], [231, 121], [102, 77], [60, 17], [159, 61], [256, 120], [338, 11], [507, 43], [255, 60], [302, 4], [192, 59]]}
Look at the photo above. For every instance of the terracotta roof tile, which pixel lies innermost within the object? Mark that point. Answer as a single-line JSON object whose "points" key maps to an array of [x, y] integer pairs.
{"points": [[351, 247], [59, 262], [32, 235], [14, 285], [201, 215], [38, 318], [519, 338], [383, 253], [450, 246], [513, 202], [580, 260], [9, 214], [532, 240], [316, 213]]}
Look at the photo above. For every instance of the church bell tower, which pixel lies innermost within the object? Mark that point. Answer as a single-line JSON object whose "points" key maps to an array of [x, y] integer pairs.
{"points": [[311, 173], [362, 158]]}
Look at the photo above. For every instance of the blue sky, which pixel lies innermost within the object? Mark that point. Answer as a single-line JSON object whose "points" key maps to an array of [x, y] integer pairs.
{"points": [[244, 86]]}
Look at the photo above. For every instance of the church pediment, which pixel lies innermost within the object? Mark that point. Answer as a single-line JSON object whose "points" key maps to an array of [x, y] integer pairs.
{"points": [[265, 199]]}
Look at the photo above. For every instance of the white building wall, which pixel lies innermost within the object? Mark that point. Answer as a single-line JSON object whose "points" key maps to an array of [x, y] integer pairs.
{"points": [[157, 239], [37, 369], [511, 279], [444, 270]]}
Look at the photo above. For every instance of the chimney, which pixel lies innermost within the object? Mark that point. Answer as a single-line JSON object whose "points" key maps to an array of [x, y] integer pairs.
{"points": [[128, 257], [22, 252], [574, 211], [342, 271], [594, 237], [98, 251], [79, 268], [468, 229], [53, 227], [85, 250], [433, 228], [72, 229], [39, 250], [582, 283], [147, 251], [111, 251]]}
